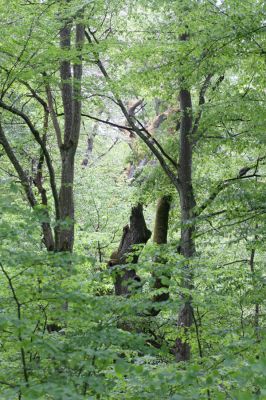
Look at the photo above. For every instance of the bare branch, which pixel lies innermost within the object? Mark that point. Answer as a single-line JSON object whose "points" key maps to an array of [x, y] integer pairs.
{"points": [[203, 90], [157, 144], [133, 106], [147, 140], [113, 124]]}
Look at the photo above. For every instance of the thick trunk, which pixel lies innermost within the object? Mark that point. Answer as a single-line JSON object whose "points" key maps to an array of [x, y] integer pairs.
{"points": [[71, 98], [187, 204], [160, 237], [133, 234], [161, 220], [65, 237]]}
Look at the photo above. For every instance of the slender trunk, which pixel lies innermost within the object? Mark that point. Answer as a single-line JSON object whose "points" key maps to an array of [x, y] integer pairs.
{"points": [[48, 237], [90, 143], [257, 306]]}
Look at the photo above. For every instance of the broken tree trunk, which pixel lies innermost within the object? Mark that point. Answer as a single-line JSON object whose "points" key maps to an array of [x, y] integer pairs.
{"points": [[135, 233]]}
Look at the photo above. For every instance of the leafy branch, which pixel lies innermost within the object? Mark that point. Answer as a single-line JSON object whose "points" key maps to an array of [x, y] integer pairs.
{"points": [[37, 137], [18, 306]]}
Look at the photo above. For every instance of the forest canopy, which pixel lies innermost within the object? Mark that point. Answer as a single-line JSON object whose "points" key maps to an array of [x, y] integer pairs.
{"points": [[132, 199]]}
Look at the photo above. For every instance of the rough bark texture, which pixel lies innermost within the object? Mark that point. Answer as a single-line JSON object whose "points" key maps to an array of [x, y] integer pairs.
{"points": [[133, 234], [71, 97], [160, 237], [187, 204], [66, 202]]}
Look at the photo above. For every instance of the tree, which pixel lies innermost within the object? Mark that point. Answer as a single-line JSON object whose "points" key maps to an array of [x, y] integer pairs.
{"points": [[67, 142], [173, 95]]}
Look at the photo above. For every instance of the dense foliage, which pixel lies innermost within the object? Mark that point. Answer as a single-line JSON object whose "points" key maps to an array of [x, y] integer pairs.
{"points": [[108, 108]]}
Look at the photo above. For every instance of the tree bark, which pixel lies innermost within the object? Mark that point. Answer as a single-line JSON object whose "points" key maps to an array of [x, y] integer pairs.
{"points": [[187, 205], [257, 305], [65, 238], [71, 97], [133, 234], [48, 237], [160, 237]]}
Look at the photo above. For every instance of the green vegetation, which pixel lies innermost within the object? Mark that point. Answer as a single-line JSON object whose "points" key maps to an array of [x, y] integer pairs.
{"points": [[132, 199]]}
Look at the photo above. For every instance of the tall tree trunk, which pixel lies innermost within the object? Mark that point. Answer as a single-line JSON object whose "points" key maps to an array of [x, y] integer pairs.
{"points": [[71, 97], [187, 204], [66, 203], [160, 237], [133, 234], [161, 220], [257, 305]]}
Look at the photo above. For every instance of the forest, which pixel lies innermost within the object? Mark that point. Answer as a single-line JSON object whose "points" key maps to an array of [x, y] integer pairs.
{"points": [[132, 199]]}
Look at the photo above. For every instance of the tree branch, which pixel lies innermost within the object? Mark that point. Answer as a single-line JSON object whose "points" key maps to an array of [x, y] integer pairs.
{"points": [[113, 124], [35, 94], [221, 186], [39, 140], [24, 179], [157, 144], [203, 90], [54, 116], [18, 304], [148, 141]]}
